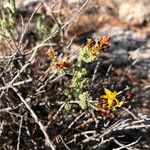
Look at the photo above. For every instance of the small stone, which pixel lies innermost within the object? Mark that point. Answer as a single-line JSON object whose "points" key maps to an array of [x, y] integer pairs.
{"points": [[134, 13]]}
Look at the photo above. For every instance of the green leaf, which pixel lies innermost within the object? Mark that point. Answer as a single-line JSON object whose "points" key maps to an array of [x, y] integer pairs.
{"points": [[84, 98], [66, 92], [83, 104], [85, 56], [67, 106]]}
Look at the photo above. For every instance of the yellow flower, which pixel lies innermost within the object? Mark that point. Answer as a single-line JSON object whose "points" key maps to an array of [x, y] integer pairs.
{"points": [[111, 97]]}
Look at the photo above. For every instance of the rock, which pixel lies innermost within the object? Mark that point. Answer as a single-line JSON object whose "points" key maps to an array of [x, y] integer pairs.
{"points": [[135, 13], [120, 51], [22, 3], [125, 39], [123, 42]]}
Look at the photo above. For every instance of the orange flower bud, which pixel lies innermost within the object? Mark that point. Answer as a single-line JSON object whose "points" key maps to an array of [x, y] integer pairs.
{"points": [[62, 65], [90, 43], [104, 39], [128, 96], [51, 53]]}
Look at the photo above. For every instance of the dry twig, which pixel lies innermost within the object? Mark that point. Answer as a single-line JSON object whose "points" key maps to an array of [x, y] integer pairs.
{"points": [[48, 142]]}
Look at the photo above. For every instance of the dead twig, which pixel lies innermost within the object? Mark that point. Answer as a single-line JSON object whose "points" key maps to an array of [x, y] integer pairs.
{"points": [[64, 143], [77, 118], [16, 84], [128, 145], [18, 144], [66, 24], [26, 27], [48, 142], [95, 71]]}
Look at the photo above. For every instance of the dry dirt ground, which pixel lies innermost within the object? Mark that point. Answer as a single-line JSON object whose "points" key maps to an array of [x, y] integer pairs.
{"points": [[31, 103]]}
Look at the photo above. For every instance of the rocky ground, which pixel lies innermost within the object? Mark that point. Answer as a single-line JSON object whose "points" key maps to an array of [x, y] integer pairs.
{"points": [[126, 62]]}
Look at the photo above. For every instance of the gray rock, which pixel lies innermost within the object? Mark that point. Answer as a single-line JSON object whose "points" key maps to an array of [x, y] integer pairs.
{"points": [[135, 12], [120, 51], [123, 42], [122, 38]]}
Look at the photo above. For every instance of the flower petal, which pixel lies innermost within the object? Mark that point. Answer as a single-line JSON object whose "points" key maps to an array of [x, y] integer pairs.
{"points": [[111, 102], [108, 92], [104, 96]]}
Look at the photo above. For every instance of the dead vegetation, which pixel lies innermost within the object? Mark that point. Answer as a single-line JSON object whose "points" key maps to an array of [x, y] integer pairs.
{"points": [[32, 106]]}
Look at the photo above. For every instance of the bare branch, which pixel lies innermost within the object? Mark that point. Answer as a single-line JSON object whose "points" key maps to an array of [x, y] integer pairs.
{"points": [[48, 142], [128, 145], [18, 144]]}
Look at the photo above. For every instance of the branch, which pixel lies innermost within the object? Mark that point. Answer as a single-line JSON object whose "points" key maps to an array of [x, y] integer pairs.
{"points": [[48, 142], [128, 145], [20, 126]]}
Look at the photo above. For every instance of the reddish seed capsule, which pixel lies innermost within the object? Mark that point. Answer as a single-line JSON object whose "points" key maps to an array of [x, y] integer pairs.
{"points": [[62, 65], [107, 113], [103, 101], [104, 39], [128, 96]]}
